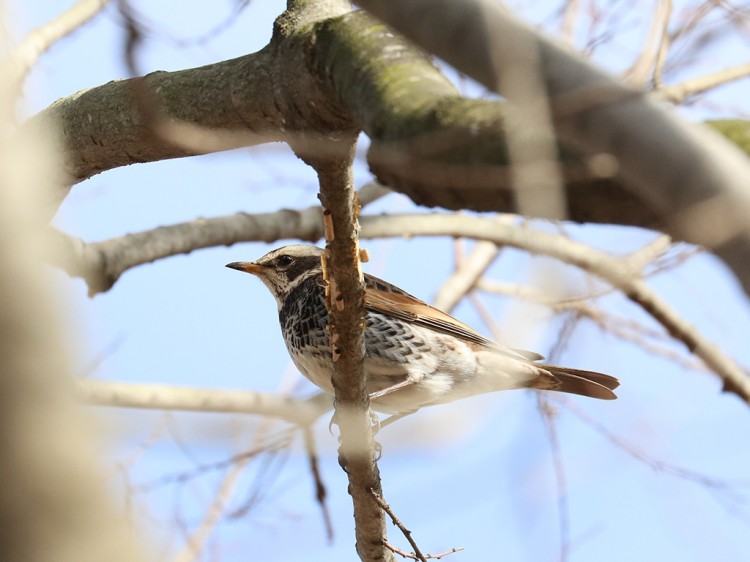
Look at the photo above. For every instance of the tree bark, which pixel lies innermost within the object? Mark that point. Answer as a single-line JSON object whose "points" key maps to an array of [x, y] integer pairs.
{"points": [[345, 299]]}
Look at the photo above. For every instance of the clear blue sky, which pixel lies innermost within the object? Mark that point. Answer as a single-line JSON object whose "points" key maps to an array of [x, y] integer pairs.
{"points": [[477, 474]]}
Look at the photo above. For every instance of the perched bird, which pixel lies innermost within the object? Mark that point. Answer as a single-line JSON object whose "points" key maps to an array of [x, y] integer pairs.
{"points": [[415, 354]]}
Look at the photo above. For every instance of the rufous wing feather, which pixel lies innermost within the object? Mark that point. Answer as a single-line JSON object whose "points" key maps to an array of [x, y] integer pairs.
{"points": [[381, 296]]}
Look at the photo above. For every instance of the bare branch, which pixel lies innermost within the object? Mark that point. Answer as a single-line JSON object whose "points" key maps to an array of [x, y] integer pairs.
{"points": [[101, 264], [632, 450], [42, 38], [320, 489], [622, 274], [397, 522], [417, 554], [466, 275], [163, 397], [548, 415], [657, 40], [570, 16], [678, 93], [624, 328], [663, 49], [278, 443], [196, 541], [618, 272]]}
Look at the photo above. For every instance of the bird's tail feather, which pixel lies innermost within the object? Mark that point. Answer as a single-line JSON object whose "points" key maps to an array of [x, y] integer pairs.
{"points": [[577, 381]]}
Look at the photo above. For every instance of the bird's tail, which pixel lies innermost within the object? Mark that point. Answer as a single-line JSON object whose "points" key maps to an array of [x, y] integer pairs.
{"points": [[576, 381]]}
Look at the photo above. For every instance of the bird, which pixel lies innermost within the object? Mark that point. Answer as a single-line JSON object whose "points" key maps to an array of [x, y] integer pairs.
{"points": [[415, 354]]}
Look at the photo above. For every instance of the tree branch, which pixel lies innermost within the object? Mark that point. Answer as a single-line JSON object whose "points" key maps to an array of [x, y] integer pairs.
{"points": [[428, 142], [42, 38], [167, 397], [624, 276], [240, 102], [678, 93], [647, 66], [345, 294], [466, 274], [618, 272], [688, 177]]}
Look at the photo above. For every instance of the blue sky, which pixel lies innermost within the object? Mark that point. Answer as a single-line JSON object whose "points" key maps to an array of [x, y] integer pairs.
{"points": [[476, 474]]}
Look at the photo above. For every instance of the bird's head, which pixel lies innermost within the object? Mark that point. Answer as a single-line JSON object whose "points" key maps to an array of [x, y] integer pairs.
{"points": [[281, 270]]}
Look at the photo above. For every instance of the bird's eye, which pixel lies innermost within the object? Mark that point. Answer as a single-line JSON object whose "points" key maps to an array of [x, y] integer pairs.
{"points": [[284, 261]]}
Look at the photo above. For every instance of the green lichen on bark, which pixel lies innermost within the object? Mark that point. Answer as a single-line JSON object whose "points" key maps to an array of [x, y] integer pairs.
{"points": [[735, 130]]}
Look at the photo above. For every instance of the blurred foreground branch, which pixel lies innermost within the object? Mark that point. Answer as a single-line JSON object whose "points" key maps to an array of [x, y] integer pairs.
{"points": [[55, 505], [164, 397]]}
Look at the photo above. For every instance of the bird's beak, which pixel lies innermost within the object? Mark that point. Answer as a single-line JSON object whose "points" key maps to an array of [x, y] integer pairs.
{"points": [[246, 266]]}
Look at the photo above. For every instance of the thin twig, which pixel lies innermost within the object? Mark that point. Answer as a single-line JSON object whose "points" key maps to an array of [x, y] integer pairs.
{"points": [[726, 487], [278, 443], [320, 489], [412, 556], [397, 522], [548, 414], [624, 328], [466, 274], [196, 540]]}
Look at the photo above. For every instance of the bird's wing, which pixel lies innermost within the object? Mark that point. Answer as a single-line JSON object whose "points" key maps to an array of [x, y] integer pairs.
{"points": [[381, 296]]}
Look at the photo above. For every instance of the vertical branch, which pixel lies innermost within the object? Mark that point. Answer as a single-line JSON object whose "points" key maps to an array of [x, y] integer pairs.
{"points": [[345, 300], [570, 18]]}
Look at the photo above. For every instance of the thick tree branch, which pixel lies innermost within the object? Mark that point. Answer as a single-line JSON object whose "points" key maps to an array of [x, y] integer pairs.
{"points": [[102, 128], [696, 183], [257, 98], [324, 75], [428, 142], [334, 75]]}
